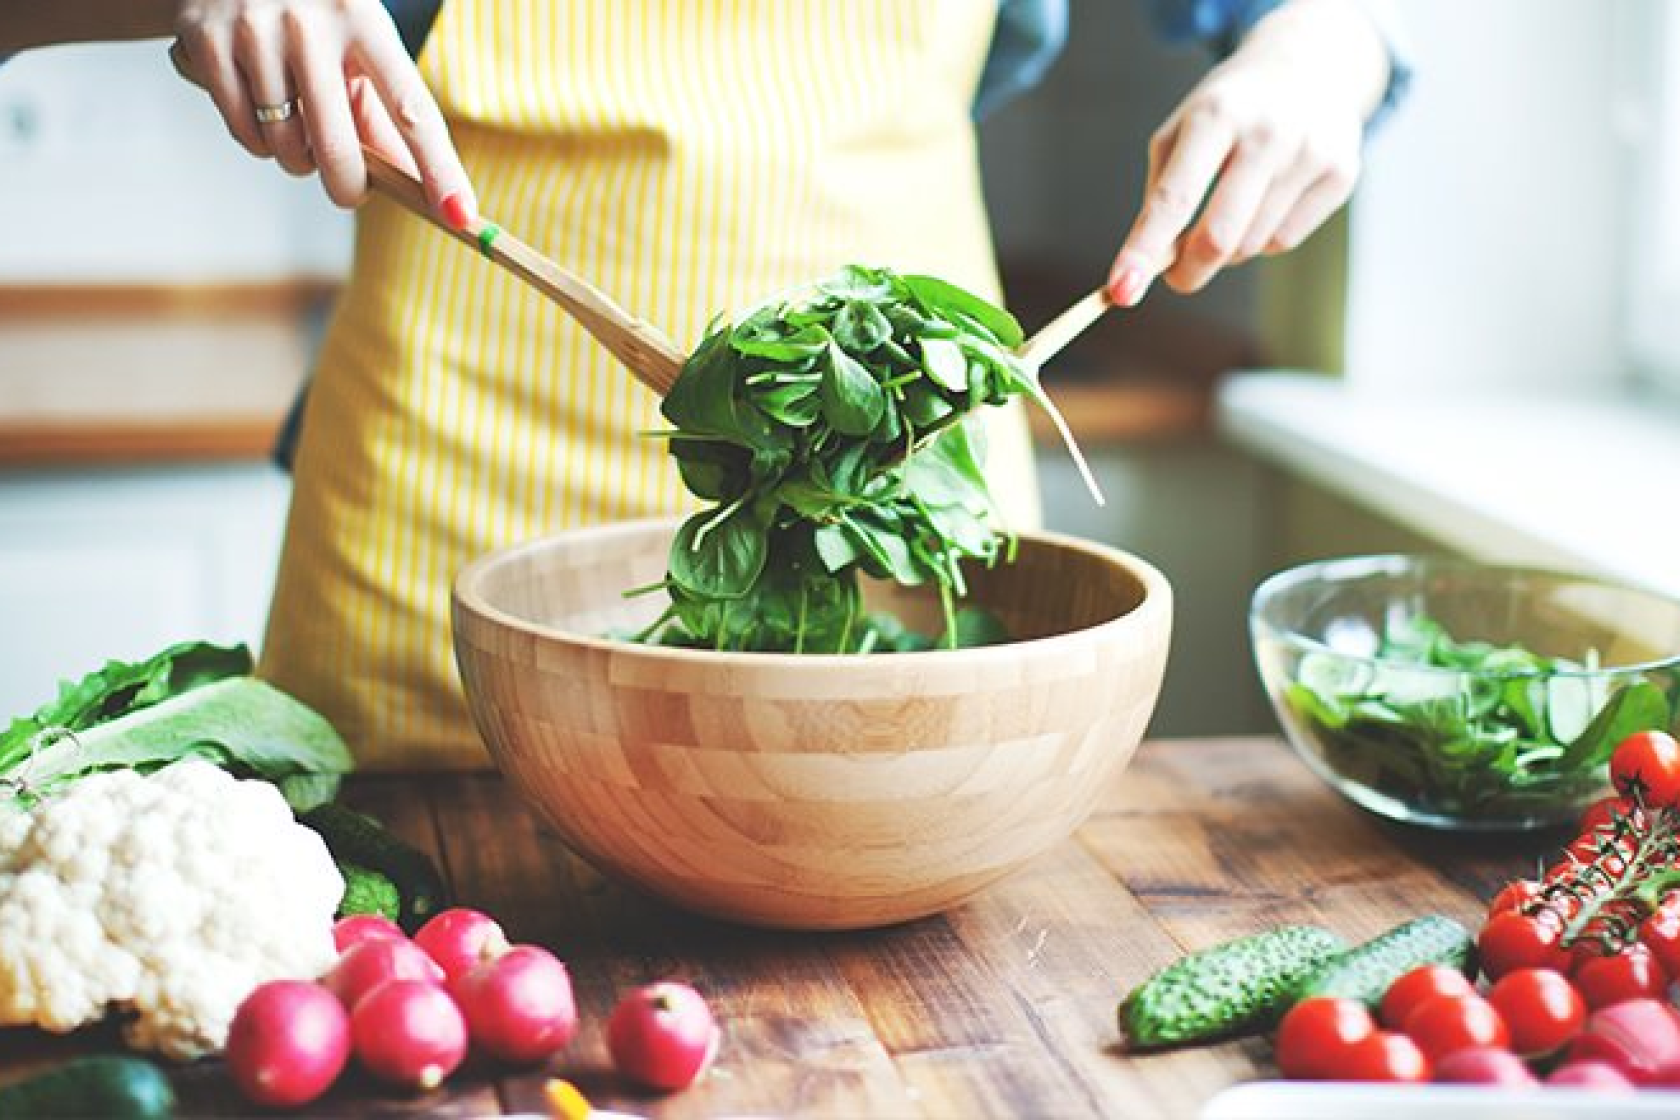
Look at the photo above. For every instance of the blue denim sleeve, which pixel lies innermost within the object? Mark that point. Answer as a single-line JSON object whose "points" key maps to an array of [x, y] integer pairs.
{"points": [[1219, 23], [1029, 37]]}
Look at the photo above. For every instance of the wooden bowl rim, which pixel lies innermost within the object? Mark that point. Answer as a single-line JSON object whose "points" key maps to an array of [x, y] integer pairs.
{"points": [[468, 596]]}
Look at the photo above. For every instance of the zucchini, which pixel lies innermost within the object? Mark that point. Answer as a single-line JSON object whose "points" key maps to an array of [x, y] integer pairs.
{"points": [[357, 838], [1226, 989], [1366, 971], [107, 1087]]}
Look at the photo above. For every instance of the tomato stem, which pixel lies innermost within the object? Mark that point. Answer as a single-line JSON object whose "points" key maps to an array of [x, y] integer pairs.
{"points": [[1644, 873]]}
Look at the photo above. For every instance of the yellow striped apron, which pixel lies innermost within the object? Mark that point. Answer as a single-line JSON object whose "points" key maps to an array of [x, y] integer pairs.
{"points": [[689, 158]]}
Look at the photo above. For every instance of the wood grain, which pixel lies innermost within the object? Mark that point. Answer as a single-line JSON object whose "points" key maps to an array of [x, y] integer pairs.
{"points": [[107, 442], [809, 792], [1003, 1006]]}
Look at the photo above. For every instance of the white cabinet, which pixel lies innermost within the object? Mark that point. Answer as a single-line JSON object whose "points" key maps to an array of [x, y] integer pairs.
{"points": [[118, 564]]}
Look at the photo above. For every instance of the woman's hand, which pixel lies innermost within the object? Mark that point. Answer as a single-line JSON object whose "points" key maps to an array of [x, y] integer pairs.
{"points": [[328, 76], [1265, 148]]}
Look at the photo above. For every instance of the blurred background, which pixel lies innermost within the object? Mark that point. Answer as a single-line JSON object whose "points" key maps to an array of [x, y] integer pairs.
{"points": [[1480, 357]]}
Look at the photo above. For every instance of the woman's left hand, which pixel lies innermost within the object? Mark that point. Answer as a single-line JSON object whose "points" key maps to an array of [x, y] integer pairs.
{"points": [[1261, 151]]}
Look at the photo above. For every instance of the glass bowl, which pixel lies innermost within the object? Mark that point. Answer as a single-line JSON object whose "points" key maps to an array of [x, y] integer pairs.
{"points": [[1463, 695]]}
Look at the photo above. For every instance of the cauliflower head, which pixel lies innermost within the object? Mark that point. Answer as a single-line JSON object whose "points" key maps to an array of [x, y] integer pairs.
{"points": [[165, 898]]}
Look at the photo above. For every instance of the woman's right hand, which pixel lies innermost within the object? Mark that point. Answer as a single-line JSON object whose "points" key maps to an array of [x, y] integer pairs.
{"points": [[342, 67]]}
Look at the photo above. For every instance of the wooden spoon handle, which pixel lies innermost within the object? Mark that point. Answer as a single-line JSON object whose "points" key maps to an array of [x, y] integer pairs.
{"points": [[1064, 328], [642, 347]]}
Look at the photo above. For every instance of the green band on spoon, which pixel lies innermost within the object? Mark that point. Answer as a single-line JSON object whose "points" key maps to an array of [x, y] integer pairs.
{"points": [[487, 237]]}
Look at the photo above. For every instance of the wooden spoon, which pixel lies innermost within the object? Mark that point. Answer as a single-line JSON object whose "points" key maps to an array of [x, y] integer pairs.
{"points": [[643, 348]]}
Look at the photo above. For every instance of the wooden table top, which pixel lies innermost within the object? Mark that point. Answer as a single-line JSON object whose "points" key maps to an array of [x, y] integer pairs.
{"points": [[1002, 1007]]}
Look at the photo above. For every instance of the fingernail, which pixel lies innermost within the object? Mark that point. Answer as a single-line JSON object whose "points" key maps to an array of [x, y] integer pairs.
{"points": [[1127, 286], [457, 210]]}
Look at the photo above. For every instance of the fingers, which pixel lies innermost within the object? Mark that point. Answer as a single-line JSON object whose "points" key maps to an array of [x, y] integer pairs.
{"points": [[1282, 197], [317, 54], [1185, 158], [204, 56], [410, 107], [375, 126], [1255, 158], [260, 53], [309, 82], [1230, 210], [1314, 185], [1321, 200]]}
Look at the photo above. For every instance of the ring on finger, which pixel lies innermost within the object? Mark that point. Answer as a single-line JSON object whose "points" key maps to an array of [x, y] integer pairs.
{"points": [[275, 114]]}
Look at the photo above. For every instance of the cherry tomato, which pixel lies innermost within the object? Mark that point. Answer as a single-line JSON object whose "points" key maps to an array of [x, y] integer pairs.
{"points": [[1660, 933], [1314, 1038], [1446, 1023], [1514, 896], [1632, 973], [1646, 766], [1541, 1008], [1417, 987], [1384, 1056], [1512, 941], [1603, 849], [1603, 813]]}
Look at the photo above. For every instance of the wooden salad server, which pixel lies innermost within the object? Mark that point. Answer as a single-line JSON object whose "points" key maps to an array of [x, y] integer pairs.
{"points": [[643, 348]]}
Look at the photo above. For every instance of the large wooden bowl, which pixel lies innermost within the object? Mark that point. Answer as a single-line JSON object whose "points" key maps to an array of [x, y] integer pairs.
{"points": [[800, 791]]}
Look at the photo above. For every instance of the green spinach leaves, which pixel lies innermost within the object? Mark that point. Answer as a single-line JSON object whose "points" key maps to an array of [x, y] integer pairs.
{"points": [[826, 430]]}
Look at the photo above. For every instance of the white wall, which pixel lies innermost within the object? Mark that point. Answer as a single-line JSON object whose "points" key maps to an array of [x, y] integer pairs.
{"points": [[112, 169], [1487, 231]]}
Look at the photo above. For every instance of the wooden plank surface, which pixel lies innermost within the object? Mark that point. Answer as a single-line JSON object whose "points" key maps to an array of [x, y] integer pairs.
{"points": [[1003, 1007]]}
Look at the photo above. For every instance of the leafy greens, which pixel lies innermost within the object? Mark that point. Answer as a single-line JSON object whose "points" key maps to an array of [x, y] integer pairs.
{"points": [[826, 430], [1508, 733], [192, 700]]}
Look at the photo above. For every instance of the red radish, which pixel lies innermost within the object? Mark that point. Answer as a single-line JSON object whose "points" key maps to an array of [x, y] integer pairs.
{"points": [[459, 939], [288, 1043], [367, 964], [518, 1006], [1640, 1037], [410, 1033], [1484, 1065], [365, 927], [1589, 1073], [663, 1035]]}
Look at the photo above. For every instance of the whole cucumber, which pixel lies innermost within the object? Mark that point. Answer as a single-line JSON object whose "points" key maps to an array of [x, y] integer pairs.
{"points": [[108, 1087], [1366, 971], [1223, 990]]}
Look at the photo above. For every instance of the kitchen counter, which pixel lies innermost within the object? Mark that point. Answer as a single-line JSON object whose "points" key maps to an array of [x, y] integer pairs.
{"points": [[1002, 1007], [122, 376]]}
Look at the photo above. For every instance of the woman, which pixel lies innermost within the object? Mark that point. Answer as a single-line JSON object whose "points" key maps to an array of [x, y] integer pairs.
{"points": [[689, 159]]}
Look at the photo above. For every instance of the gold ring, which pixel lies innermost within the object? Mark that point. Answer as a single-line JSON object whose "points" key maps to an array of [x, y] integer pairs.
{"points": [[274, 114]]}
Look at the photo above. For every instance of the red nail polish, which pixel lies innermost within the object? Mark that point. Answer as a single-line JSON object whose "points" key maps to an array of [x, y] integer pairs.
{"points": [[1128, 286], [456, 211]]}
